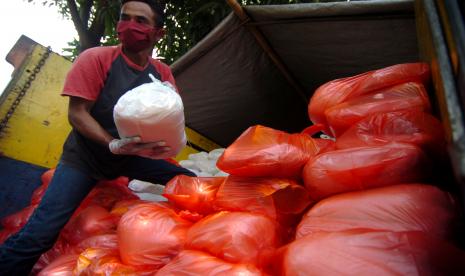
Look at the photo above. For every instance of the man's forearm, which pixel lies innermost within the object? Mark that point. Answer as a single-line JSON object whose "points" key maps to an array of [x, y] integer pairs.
{"points": [[90, 128]]}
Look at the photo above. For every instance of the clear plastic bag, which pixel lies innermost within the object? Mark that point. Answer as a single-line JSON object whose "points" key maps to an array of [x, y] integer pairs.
{"points": [[155, 112]]}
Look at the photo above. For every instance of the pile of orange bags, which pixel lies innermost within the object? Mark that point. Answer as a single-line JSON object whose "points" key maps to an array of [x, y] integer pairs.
{"points": [[292, 204], [342, 90]]}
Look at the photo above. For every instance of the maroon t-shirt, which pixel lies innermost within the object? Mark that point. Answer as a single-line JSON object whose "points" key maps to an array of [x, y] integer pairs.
{"points": [[103, 75]]}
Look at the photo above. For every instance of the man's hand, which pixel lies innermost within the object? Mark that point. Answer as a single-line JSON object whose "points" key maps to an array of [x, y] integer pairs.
{"points": [[134, 146]]}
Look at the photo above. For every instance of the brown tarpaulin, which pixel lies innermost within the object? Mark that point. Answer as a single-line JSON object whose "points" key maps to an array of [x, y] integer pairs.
{"points": [[229, 83]]}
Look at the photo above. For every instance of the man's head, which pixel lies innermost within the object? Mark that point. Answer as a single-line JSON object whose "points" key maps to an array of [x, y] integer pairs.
{"points": [[157, 7], [140, 25]]}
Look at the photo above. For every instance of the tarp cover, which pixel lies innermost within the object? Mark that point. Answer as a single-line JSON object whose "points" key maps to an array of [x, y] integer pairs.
{"points": [[229, 83]]}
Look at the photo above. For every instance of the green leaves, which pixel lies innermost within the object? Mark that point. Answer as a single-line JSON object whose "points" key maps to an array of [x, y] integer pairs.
{"points": [[187, 22]]}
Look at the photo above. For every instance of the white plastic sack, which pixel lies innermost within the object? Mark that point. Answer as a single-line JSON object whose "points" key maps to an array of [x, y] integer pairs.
{"points": [[155, 112], [208, 166], [150, 197], [189, 164], [145, 187], [198, 156], [215, 154]]}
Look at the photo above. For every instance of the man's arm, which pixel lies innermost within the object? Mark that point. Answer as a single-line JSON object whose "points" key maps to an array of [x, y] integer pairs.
{"points": [[80, 118]]}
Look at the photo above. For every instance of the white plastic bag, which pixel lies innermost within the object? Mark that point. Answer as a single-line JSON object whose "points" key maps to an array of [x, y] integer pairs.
{"points": [[198, 156], [215, 154], [155, 112], [140, 186]]}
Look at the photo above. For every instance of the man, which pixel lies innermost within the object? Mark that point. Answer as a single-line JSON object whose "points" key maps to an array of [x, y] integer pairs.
{"points": [[93, 150]]}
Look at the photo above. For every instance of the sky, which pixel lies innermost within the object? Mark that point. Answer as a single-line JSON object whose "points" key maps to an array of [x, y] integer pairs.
{"points": [[40, 23]]}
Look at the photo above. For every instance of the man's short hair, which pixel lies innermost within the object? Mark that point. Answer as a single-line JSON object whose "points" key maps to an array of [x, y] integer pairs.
{"points": [[158, 8]]}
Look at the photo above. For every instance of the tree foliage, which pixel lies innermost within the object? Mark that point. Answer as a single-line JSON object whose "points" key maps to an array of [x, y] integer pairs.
{"points": [[187, 22]]}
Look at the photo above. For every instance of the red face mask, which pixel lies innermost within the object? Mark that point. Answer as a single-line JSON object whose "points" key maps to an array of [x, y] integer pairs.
{"points": [[136, 36]]}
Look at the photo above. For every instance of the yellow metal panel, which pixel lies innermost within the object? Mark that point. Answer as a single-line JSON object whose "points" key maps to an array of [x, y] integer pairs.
{"points": [[184, 154], [200, 141], [39, 126]]}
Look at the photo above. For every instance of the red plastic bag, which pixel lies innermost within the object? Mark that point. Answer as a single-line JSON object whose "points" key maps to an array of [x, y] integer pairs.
{"points": [[263, 151], [408, 207], [369, 253], [195, 194], [17, 220], [235, 237], [40, 191], [108, 192], [340, 90], [47, 176], [60, 248], [273, 197], [5, 234], [91, 221], [38, 194], [151, 235], [63, 265], [360, 168], [190, 262], [406, 96], [414, 127]]}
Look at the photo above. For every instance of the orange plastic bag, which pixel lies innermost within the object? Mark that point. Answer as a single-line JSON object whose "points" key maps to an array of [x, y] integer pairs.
{"points": [[40, 191], [340, 90], [369, 253], [108, 241], [263, 151], [108, 264], [360, 168], [108, 192], [62, 247], [17, 220], [151, 235], [90, 256], [406, 96], [104, 261], [122, 207], [93, 220], [195, 194], [63, 265], [414, 127], [190, 262], [273, 197], [408, 207], [235, 237]]}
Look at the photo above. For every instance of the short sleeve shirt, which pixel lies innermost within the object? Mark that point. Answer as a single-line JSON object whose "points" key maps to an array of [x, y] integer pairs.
{"points": [[103, 75]]}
